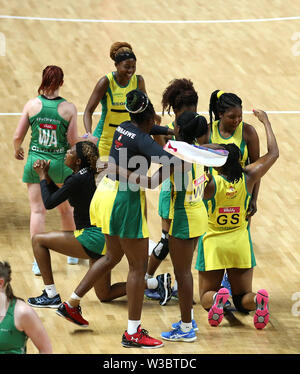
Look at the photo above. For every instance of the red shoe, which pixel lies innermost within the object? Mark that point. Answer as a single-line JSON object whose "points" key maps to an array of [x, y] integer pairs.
{"points": [[140, 339], [216, 312], [72, 314], [261, 316]]}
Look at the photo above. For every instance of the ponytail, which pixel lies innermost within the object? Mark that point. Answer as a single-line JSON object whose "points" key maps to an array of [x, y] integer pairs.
{"points": [[220, 102], [52, 79]]}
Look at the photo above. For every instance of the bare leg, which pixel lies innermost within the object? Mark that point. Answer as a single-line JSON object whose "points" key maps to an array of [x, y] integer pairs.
{"points": [[37, 209], [59, 241], [209, 284], [241, 284]]}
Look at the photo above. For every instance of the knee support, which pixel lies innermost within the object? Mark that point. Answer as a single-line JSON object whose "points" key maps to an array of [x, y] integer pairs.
{"points": [[161, 250], [237, 301]]}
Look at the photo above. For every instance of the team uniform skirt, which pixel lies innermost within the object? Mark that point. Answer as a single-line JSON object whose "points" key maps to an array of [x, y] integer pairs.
{"points": [[93, 241], [225, 250], [188, 222], [119, 209], [58, 171], [164, 201]]}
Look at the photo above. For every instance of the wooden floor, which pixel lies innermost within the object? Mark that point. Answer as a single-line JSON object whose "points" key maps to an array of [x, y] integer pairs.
{"points": [[256, 60]]}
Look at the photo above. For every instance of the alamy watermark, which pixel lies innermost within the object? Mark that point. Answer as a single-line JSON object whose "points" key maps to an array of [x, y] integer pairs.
{"points": [[296, 46], [2, 44]]}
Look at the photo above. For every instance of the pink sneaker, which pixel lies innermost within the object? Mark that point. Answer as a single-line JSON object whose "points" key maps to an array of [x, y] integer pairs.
{"points": [[261, 316], [216, 313]]}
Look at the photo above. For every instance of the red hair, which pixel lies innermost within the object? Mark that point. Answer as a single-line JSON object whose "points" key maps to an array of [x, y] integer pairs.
{"points": [[52, 79]]}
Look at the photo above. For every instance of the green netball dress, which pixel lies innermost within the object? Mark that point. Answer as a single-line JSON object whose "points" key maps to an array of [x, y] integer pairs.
{"points": [[12, 340], [113, 112], [227, 242], [187, 208], [164, 201], [48, 142], [236, 138]]}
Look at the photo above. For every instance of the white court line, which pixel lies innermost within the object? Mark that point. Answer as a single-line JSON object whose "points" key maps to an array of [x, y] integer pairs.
{"points": [[244, 112], [152, 21]]}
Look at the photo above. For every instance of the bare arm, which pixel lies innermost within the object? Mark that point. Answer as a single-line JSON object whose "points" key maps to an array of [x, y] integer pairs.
{"points": [[28, 321], [72, 134], [252, 140], [21, 132], [259, 168], [96, 96]]}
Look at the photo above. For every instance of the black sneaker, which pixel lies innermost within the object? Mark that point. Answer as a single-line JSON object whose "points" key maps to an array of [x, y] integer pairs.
{"points": [[164, 288], [44, 301]]}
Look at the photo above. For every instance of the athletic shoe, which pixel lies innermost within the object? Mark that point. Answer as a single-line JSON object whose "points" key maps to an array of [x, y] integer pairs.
{"points": [[174, 294], [35, 268], [225, 283], [216, 312], [164, 288], [261, 316], [152, 294], [72, 314], [178, 335], [140, 339], [177, 324], [44, 301], [72, 260]]}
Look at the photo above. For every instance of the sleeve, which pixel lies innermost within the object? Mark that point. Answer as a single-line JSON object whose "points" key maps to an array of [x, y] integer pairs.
{"points": [[159, 130], [150, 148], [52, 196]]}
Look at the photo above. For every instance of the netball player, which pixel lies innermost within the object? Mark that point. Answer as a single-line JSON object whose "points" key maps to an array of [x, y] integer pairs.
{"points": [[53, 124], [227, 242]]}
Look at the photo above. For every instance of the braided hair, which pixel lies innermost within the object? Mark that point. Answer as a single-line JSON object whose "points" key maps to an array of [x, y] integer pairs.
{"points": [[89, 154], [191, 126], [232, 169], [5, 273], [139, 107], [220, 102], [178, 94]]}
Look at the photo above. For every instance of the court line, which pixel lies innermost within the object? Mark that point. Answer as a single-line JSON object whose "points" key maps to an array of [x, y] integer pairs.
{"points": [[151, 21], [200, 112]]}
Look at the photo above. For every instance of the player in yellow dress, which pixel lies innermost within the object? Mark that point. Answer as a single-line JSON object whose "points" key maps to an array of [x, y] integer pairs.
{"points": [[227, 242]]}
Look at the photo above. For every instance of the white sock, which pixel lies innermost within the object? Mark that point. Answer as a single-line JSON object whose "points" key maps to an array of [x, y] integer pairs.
{"points": [[192, 313], [175, 287], [133, 326], [51, 290], [185, 327], [148, 276], [75, 297], [152, 283]]}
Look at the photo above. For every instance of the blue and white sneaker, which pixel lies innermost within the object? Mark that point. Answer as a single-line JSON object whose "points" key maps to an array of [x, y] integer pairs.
{"points": [[72, 260], [35, 268], [177, 324], [225, 283], [152, 294], [178, 335], [44, 301]]}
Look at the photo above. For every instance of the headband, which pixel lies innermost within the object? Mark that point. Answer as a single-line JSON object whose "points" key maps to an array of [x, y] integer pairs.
{"points": [[141, 108], [219, 94], [124, 56]]}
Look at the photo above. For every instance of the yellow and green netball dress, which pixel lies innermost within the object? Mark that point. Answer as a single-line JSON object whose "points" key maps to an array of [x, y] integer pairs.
{"points": [[48, 142], [113, 112], [164, 201], [236, 138], [227, 242], [187, 208]]}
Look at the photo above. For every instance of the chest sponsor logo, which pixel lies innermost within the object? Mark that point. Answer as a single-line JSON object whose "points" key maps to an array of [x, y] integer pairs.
{"points": [[48, 126], [230, 210]]}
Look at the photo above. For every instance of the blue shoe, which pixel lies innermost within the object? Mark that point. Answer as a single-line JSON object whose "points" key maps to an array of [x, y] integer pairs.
{"points": [[225, 283], [177, 324], [152, 294], [35, 268], [72, 260], [178, 335], [44, 301]]}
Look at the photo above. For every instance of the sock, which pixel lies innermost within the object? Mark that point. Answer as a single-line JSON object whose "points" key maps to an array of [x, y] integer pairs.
{"points": [[185, 327], [192, 313], [133, 326], [152, 283], [147, 276], [51, 290], [74, 300], [175, 287]]}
